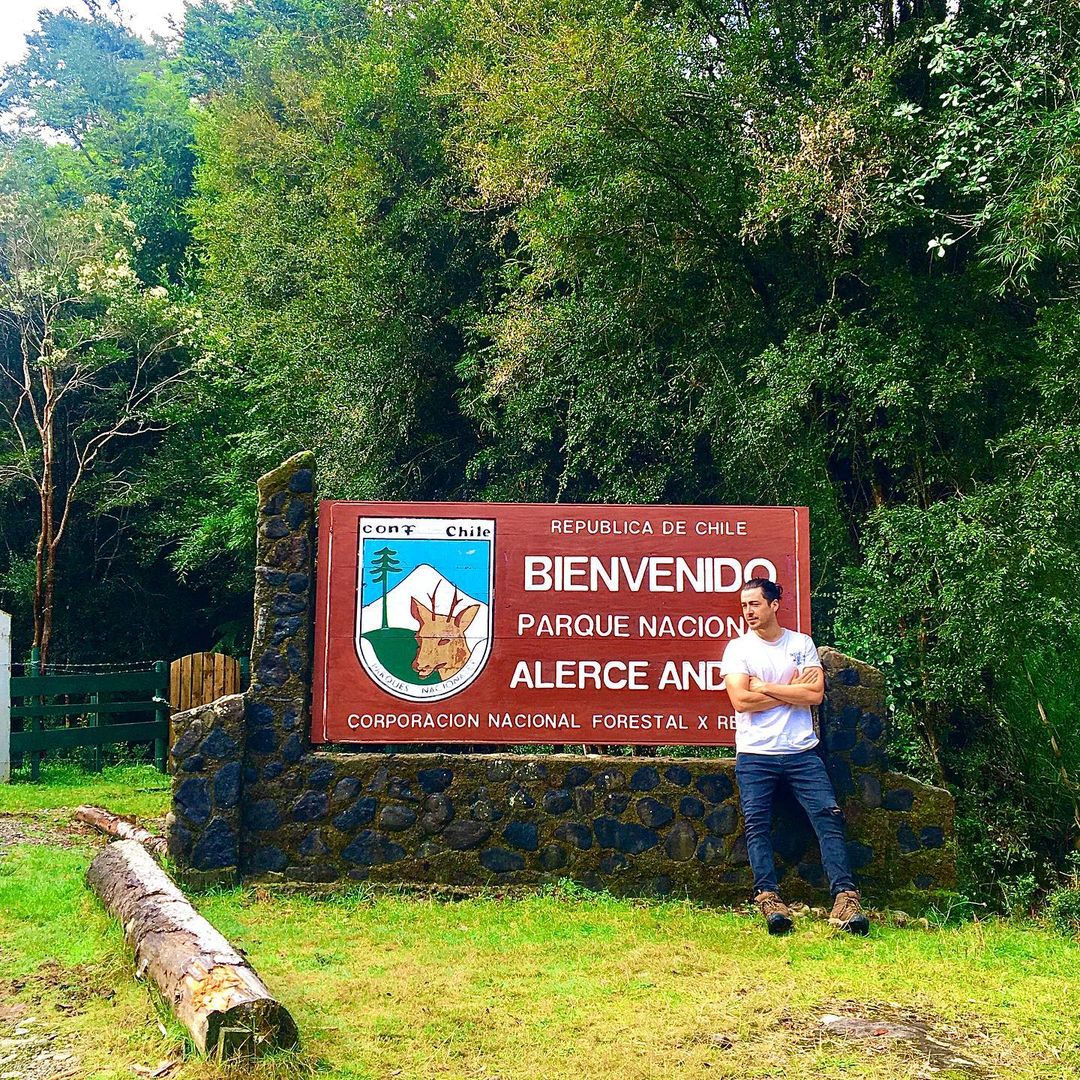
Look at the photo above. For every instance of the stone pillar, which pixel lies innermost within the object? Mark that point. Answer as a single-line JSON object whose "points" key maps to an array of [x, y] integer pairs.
{"points": [[900, 831], [203, 828], [278, 700]]}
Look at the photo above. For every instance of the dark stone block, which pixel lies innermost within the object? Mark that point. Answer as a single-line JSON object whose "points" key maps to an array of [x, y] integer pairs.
{"points": [[553, 857], [216, 848], [219, 746], [362, 812], [227, 787], [557, 802], [274, 578], [813, 873], [522, 835], [840, 774], [610, 780], [573, 833], [298, 582], [289, 720], [617, 802], [274, 504], [273, 770], [465, 833], [866, 755], [259, 714], [498, 771], [849, 717], [738, 856], [521, 798], [723, 821], [311, 806], [584, 800], [293, 779], [614, 864], [691, 807], [870, 790], [501, 861], [285, 627], [370, 849], [194, 763], [483, 809], [839, 741], [321, 775], [859, 854], [645, 779], [438, 811], [907, 840], [262, 741], [345, 789], [288, 604], [302, 482], [848, 676], [680, 841], [187, 741], [268, 859], [717, 787], [296, 514], [533, 770], [251, 774], [871, 726], [313, 845], [432, 781], [274, 528], [192, 799], [624, 836], [271, 670], [396, 817], [932, 836], [400, 787], [576, 775], [262, 815], [924, 881], [678, 775], [179, 839], [294, 659], [653, 813], [711, 850], [380, 779], [898, 799], [292, 749]]}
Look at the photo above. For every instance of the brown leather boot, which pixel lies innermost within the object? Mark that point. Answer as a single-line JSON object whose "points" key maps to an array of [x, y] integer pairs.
{"points": [[777, 913], [847, 913]]}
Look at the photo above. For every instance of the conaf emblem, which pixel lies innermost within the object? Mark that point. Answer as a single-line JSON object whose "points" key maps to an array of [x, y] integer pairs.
{"points": [[423, 627]]}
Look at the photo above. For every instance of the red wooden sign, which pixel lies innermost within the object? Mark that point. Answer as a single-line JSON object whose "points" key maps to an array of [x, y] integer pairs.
{"points": [[526, 623]]}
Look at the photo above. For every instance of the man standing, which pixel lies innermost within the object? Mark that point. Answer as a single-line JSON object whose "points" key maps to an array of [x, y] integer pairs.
{"points": [[774, 678]]}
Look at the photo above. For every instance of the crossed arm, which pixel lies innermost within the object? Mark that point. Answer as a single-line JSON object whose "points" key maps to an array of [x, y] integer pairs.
{"points": [[750, 694]]}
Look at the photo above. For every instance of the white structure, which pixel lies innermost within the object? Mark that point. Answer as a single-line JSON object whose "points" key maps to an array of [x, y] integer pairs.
{"points": [[5, 697]]}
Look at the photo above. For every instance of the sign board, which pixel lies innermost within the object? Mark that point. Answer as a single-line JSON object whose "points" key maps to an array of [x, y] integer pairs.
{"points": [[528, 623]]}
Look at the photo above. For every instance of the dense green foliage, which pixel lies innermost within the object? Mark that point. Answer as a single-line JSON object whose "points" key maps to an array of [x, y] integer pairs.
{"points": [[800, 253]]}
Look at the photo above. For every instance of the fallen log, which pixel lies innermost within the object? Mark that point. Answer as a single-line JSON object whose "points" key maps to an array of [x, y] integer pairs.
{"points": [[112, 825], [209, 985]]}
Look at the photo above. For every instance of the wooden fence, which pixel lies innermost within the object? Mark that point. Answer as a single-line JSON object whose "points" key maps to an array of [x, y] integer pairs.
{"points": [[62, 712]]}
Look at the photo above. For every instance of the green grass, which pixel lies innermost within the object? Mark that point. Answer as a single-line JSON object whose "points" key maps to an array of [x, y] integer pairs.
{"points": [[123, 789], [560, 984]]}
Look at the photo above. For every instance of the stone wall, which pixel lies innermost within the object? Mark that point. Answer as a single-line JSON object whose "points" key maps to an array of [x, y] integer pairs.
{"points": [[252, 798]]}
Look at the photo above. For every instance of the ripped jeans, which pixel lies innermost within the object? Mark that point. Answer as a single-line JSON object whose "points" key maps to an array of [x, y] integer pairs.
{"points": [[804, 773]]}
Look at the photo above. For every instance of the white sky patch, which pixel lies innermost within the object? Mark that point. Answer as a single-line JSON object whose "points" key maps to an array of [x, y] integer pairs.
{"points": [[20, 17]]}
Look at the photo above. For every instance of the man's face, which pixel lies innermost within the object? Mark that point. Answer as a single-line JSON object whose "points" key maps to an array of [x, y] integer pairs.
{"points": [[759, 613]]}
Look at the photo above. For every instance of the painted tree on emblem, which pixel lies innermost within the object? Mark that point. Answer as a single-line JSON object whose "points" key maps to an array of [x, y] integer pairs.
{"points": [[384, 565]]}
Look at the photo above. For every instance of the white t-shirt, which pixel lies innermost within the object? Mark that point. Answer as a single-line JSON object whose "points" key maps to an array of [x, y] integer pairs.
{"points": [[787, 729]]}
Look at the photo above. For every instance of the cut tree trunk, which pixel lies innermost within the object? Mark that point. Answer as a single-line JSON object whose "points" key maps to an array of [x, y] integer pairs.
{"points": [[210, 987], [112, 825]]}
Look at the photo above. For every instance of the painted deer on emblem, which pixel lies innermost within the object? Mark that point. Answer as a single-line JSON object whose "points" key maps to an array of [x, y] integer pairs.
{"points": [[440, 640]]}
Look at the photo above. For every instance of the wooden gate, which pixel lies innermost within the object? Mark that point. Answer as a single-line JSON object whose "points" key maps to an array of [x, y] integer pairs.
{"points": [[202, 677]]}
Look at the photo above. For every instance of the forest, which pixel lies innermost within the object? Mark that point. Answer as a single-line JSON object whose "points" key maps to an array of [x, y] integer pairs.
{"points": [[810, 252]]}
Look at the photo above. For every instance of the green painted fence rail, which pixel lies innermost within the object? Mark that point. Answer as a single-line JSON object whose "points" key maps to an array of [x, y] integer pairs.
{"points": [[49, 724]]}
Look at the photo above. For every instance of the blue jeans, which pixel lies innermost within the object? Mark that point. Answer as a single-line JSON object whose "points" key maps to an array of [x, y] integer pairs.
{"points": [[758, 776]]}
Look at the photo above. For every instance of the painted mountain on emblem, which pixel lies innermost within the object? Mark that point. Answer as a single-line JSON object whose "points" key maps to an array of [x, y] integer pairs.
{"points": [[394, 645]]}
